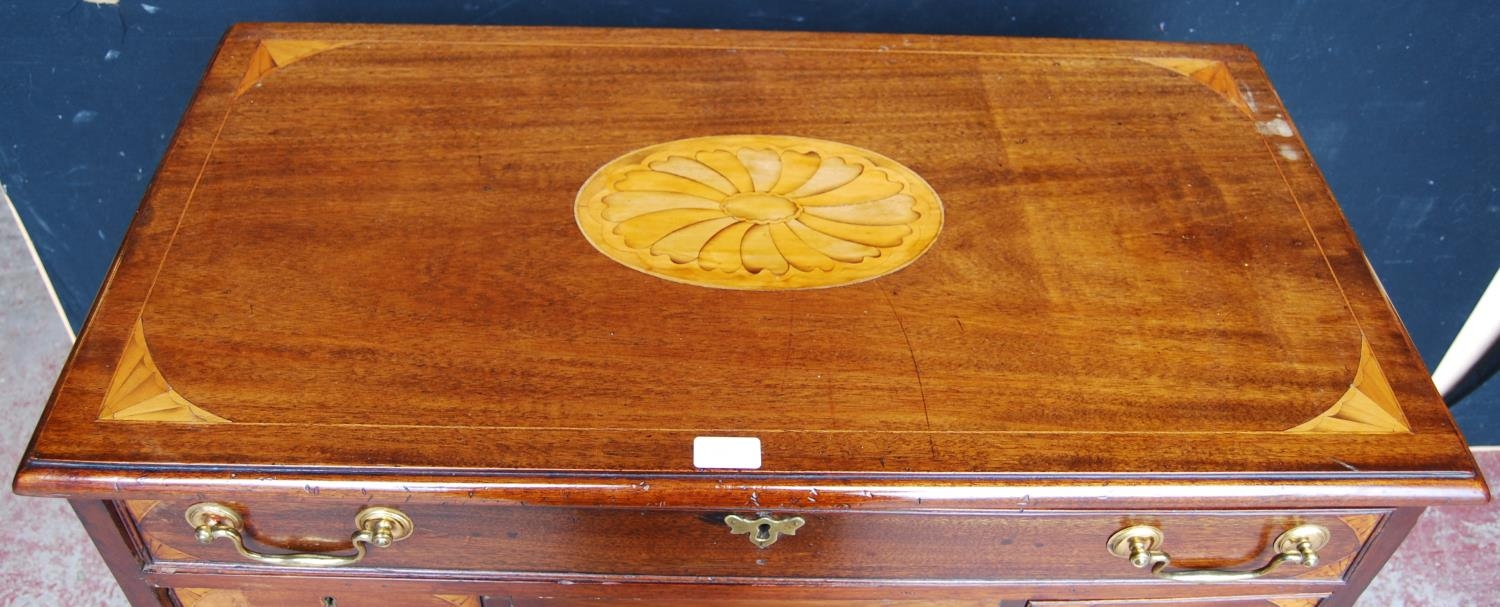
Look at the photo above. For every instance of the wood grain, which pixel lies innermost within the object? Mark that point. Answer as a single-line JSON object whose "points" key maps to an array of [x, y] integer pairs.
{"points": [[361, 267], [139, 392], [119, 542], [1368, 406], [1018, 493], [1212, 74], [1384, 542], [273, 54], [1260, 601], [1362, 525], [688, 602], [876, 546], [654, 591], [230, 597], [1000, 350]]}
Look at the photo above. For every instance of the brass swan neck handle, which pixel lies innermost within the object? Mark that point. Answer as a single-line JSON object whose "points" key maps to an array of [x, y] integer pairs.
{"points": [[1140, 543], [376, 525]]}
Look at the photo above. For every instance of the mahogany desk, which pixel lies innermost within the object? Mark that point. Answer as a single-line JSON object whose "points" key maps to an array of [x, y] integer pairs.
{"points": [[443, 316]]}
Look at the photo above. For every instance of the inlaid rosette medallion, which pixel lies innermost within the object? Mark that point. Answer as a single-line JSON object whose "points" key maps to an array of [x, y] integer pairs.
{"points": [[759, 212]]}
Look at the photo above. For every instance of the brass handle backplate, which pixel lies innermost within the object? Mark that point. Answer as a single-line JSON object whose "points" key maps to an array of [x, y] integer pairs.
{"points": [[1140, 544], [765, 530], [375, 525]]}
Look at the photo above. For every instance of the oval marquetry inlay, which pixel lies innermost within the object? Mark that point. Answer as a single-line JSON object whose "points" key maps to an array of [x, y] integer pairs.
{"points": [[759, 212]]}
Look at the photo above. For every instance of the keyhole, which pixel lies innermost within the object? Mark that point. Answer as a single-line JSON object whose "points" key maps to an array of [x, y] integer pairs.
{"points": [[763, 531], [329, 602]]}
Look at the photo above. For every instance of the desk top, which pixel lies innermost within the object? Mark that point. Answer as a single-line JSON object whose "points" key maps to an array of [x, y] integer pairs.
{"points": [[418, 253]]}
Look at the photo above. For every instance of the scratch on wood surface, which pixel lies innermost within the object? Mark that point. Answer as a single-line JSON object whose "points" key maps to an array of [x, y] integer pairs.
{"points": [[915, 366], [791, 332]]}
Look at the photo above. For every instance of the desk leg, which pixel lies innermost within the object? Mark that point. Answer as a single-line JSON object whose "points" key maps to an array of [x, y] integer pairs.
{"points": [[1387, 539], [114, 535]]}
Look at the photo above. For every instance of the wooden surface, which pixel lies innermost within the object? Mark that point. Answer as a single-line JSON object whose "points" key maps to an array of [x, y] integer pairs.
{"points": [[361, 251], [114, 533], [229, 597], [479, 275], [1264, 601], [873, 546], [657, 592], [745, 603]]}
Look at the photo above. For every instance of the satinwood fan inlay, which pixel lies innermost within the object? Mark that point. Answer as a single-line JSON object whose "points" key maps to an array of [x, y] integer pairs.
{"points": [[760, 212]]}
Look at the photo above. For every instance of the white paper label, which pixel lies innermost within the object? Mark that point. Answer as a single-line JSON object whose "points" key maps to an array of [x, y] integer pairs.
{"points": [[737, 452]]}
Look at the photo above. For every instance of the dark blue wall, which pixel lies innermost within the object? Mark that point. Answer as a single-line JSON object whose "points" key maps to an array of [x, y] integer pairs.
{"points": [[1400, 103]]}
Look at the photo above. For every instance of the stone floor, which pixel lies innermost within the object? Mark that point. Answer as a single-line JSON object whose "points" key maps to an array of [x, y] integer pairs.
{"points": [[46, 560], [1451, 558]]}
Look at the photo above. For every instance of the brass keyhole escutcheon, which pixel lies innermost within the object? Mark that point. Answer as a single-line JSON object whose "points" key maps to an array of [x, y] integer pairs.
{"points": [[765, 530]]}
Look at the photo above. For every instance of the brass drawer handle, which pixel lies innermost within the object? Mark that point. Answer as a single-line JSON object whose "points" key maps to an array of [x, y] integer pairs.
{"points": [[1139, 543], [765, 530], [377, 525]]}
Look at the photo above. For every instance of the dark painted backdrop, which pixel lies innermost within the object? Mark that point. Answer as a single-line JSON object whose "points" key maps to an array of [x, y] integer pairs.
{"points": [[1400, 103]]}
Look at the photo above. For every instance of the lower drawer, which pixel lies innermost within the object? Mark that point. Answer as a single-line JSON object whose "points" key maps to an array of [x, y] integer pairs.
{"points": [[740, 603], [203, 597], [690, 602], [1238, 601], [583, 542], [218, 597], [225, 597]]}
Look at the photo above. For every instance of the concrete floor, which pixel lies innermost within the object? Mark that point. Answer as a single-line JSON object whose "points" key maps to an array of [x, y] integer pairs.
{"points": [[1452, 558]]}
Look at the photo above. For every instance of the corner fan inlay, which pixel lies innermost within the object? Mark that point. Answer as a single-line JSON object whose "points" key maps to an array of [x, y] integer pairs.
{"points": [[1207, 72], [138, 392], [759, 212], [1368, 406], [271, 55]]}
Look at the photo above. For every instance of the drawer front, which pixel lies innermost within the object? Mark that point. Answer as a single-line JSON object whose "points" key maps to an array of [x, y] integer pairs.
{"points": [[722, 602], [581, 542], [1302, 600], [344, 597], [1258, 601], [272, 597]]}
